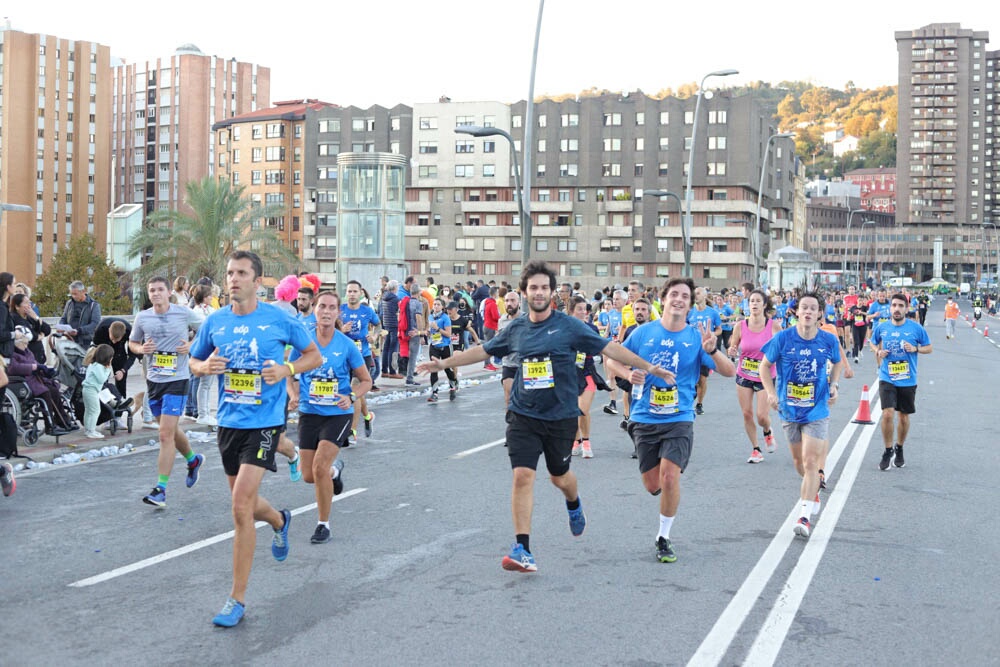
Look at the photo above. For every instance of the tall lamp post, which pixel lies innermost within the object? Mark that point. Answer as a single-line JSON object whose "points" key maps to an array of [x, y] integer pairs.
{"points": [[685, 232], [997, 241], [847, 241], [689, 193], [861, 234], [760, 194]]}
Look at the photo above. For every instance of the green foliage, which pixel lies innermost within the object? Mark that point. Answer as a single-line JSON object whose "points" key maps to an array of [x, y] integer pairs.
{"points": [[80, 260], [223, 220]]}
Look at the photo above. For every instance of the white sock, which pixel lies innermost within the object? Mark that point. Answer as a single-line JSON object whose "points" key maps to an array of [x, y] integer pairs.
{"points": [[806, 508], [325, 524], [665, 523], [336, 474]]}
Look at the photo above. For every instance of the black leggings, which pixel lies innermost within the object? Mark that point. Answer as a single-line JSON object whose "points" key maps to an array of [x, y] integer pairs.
{"points": [[859, 338], [441, 353]]}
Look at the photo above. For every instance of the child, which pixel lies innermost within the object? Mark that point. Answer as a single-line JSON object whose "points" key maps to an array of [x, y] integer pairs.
{"points": [[97, 374]]}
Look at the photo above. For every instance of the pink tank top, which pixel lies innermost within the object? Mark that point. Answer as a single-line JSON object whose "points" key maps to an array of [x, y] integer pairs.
{"points": [[751, 346]]}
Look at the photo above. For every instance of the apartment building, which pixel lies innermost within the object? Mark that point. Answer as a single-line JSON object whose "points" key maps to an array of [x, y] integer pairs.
{"points": [[164, 110], [55, 146], [878, 187]]}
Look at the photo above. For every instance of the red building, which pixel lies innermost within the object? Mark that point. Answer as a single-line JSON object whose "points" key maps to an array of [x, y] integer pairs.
{"points": [[878, 188]]}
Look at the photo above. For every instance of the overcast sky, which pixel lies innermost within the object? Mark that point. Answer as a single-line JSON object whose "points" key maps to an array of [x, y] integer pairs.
{"points": [[406, 51]]}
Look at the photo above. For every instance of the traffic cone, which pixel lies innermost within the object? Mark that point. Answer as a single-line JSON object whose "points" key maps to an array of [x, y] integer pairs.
{"points": [[986, 331], [864, 415]]}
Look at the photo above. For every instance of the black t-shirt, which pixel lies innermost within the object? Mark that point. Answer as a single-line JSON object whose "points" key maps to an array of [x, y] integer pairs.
{"points": [[458, 325]]}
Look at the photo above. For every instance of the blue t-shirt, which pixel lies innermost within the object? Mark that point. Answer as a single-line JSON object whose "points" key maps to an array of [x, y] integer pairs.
{"points": [[830, 313], [545, 386], [437, 337], [614, 323], [359, 319], [248, 341], [321, 388], [900, 367], [679, 352], [711, 315], [309, 321], [727, 313], [802, 386], [882, 310], [780, 311]]}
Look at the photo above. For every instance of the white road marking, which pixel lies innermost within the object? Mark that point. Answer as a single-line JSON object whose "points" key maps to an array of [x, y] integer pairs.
{"points": [[154, 560], [716, 643], [480, 448]]}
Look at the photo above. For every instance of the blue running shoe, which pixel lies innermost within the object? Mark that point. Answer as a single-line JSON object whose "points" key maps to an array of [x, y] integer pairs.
{"points": [[293, 467], [279, 544], [157, 497], [193, 468], [577, 521], [338, 481], [519, 560], [231, 614]]}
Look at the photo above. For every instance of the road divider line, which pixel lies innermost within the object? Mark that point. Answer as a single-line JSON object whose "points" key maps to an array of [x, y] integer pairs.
{"points": [[480, 448], [201, 544]]}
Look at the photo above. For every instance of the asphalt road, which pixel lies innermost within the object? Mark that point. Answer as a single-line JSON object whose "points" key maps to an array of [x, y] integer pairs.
{"points": [[901, 568]]}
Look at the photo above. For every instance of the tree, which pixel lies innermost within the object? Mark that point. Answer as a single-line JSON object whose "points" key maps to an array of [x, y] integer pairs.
{"points": [[80, 260], [198, 244]]}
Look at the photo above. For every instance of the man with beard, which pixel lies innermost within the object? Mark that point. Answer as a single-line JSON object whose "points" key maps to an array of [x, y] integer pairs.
{"points": [[618, 300], [897, 345], [361, 324], [702, 312], [512, 309], [640, 315]]}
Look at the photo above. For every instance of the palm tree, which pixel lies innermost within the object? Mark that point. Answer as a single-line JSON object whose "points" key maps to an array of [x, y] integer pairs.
{"points": [[198, 244]]}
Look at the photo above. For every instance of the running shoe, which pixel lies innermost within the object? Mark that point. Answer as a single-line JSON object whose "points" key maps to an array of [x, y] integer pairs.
{"points": [[577, 448], [231, 614], [623, 425], [7, 480], [883, 465], [519, 560], [588, 453], [816, 505], [338, 479], [822, 482], [899, 461], [433, 398], [802, 527], [194, 467], [452, 389], [577, 520], [755, 456], [611, 409], [769, 443], [352, 438], [635, 451], [321, 536], [279, 543], [293, 467], [369, 418], [157, 497], [665, 550], [490, 367], [698, 409]]}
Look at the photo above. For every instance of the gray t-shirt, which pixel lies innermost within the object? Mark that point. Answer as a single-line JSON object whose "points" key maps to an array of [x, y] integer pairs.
{"points": [[414, 307], [167, 330], [509, 360]]}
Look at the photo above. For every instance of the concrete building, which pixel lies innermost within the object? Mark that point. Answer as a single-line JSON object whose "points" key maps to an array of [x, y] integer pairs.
{"points": [[878, 187], [164, 110], [55, 146]]}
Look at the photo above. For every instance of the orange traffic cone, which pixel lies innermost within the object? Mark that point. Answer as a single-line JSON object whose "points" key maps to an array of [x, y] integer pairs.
{"points": [[864, 415], [986, 331]]}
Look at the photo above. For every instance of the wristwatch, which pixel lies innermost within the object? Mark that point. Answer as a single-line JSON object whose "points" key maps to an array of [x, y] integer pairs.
{"points": [[353, 397]]}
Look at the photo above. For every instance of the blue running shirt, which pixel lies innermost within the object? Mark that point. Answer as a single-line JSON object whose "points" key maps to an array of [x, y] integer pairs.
{"points": [[900, 367], [321, 388], [359, 319], [802, 386]]}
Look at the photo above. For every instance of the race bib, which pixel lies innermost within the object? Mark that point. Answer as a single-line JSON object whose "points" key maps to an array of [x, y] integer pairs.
{"points": [[663, 401], [800, 395], [324, 392], [899, 370], [436, 338], [359, 344], [581, 359], [750, 367], [859, 320], [165, 363], [537, 373], [454, 339], [241, 386]]}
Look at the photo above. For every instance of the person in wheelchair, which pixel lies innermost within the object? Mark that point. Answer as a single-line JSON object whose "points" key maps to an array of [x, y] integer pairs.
{"points": [[40, 379]]}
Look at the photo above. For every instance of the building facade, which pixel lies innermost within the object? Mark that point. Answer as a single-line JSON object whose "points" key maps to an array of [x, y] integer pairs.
{"points": [[55, 146], [878, 187]]}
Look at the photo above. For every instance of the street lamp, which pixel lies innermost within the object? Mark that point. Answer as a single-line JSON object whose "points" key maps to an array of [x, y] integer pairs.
{"points": [[689, 194], [20, 208], [522, 196], [847, 241], [685, 233], [861, 233], [760, 194]]}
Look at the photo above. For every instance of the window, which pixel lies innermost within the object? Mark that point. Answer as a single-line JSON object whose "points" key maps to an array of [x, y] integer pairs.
{"points": [[638, 170], [515, 245], [236, 130], [465, 171], [296, 200], [489, 245], [578, 220], [567, 245], [566, 170], [358, 124], [489, 170], [662, 271], [717, 246], [612, 144], [274, 177], [640, 143], [640, 117], [464, 120], [331, 125], [426, 147], [236, 155], [428, 244], [569, 144], [541, 171], [716, 220], [611, 119], [429, 123], [601, 270], [664, 118], [542, 121], [465, 244], [638, 270], [663, 169], [274, 199], [395, 124], [612, 169], [427, 171], [664, 143], [275, 154], [542, 245], [718, 143], [715, 272], [329, 149], [255, 131], [581, 195], [544, 195], [465, 146], [515, 121], [611, 245], [688, 117], [275, 130], [570, 120], [662, 245], [489, 121], [687, 143], [716, 168], [458, 268], [434, 268], [718, 117], [564, 195], [489, 146]]}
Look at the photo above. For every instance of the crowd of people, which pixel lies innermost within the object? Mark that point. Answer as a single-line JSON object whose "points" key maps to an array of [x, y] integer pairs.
{"points": [[242, 366]]}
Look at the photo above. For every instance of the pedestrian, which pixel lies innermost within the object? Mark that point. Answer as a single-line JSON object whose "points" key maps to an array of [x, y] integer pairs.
{"points": [[897, 344], [416, 323], [803, 394], [98, 373], [542, 418], [245, 344], [82, 314], [491, 316], [951, 313], [388, 313]]}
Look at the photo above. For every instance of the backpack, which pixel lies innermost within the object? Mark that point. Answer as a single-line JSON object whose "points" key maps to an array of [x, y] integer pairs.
{"points": [[404, 318]]}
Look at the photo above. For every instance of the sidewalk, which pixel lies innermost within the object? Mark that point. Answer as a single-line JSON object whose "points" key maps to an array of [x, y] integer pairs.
{"points": [[47, 448]]}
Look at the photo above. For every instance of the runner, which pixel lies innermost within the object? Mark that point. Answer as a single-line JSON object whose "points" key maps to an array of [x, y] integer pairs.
{"points": [[897, 345], [326, 407], [589, 382], [509, 364], [702, 312], [361, 324], [800, 354], [304, 303], [614, 326], [859, 326], [662, 424], [245, 343], [749, 338], [439, 324], [161, 332], [542, 418], [951, 313]]}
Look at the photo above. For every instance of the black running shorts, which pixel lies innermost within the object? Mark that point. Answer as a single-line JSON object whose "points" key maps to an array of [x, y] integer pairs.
{"points": [[528, 438], [900, 399], [251, 446], [313, 428]]}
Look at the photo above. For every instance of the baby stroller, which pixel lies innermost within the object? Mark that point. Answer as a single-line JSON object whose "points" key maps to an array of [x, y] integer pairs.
{"points": [[71, 373]]}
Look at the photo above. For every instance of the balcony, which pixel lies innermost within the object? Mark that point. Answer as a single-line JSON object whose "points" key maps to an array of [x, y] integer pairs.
{"points": [[552, 207], [673, 232], [549, 231], [418, 206], [716, 258], [416, 230], [618, 205], [309, 230], [624, 232], [309, 253], [309, 207], [488, 207], [497, 230], [326, 253]]}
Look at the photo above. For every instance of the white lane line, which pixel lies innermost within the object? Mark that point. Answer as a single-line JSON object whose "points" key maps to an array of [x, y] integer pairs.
{"points": [[716, 643], [772, 634], [480, 448], [154, 560]]}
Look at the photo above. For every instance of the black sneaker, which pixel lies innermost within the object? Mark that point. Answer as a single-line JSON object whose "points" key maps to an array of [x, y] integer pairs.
{"points": [[321, 536], [886, 459], [899, 461], [611, 409], [665, 550], [368, 424], [698, 410], [433, 398], [624, 425], [822, 481], [452, 388], [338, 481]]}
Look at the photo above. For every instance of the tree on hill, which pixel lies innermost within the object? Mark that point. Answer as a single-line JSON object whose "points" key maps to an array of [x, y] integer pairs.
{"points": [[80, 260]]}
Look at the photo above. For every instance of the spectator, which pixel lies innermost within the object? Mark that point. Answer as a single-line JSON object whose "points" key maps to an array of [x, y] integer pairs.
{"points": [[180, 295], [6, 322], [42, 383], [204, 387], [82, 314], [388, 313], [21, 288], [491, 319], [23, 314], [114, 332]]}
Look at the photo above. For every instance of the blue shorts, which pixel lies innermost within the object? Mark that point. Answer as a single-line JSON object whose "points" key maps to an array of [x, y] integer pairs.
{"points": [[167, 398]]}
